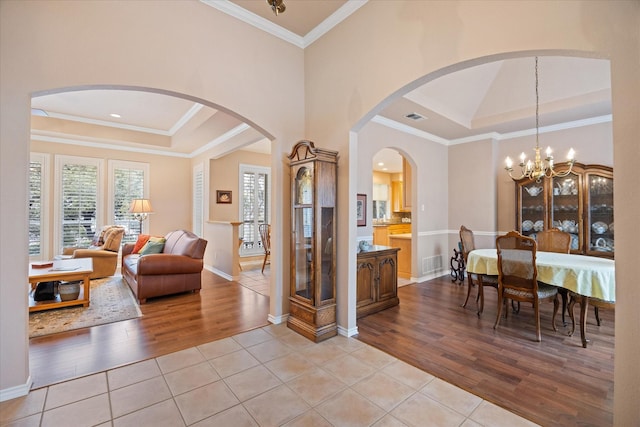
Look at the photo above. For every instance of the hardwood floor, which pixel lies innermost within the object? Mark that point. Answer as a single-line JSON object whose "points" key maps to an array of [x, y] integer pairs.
{"points": [[221, 309], [553, 383]]}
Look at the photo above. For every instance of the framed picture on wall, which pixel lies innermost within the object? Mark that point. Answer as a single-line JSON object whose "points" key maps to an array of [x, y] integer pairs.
{"points": [[361, 210], [223, 196]]}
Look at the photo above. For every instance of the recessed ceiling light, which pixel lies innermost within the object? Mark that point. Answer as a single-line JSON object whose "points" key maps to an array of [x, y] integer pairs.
{"points": [[385, 169], [380, 164], [117, 116]]}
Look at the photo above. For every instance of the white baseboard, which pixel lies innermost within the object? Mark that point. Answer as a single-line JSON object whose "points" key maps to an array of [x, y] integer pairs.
{"points": [[347, 332], [220, 273], [16, 391], [276, 320]]}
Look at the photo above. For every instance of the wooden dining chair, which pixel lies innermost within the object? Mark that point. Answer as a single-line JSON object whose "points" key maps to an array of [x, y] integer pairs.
{"points": [[468, 244], [556, 240], [265, 236], [597, 305], [517, 277]]}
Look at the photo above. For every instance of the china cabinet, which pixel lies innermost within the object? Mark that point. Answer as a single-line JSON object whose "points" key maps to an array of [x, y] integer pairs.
{"points": [[580, 203], [312, 295], [377, 280]]}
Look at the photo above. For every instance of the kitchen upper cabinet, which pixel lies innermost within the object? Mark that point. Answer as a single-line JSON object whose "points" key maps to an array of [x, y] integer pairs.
{"points": [[580, 203], [397, 196]]}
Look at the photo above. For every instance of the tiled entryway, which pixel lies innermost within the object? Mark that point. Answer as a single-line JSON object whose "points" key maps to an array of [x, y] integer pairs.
{"points": [[270, 376]]}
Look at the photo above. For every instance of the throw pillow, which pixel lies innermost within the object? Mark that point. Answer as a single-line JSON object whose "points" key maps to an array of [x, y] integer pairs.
{"points": [[152, 248], [142, 240], [112, 239]]}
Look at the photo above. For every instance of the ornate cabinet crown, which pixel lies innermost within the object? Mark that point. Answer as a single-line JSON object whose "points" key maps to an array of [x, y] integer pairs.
{"points": [[313, 244]]}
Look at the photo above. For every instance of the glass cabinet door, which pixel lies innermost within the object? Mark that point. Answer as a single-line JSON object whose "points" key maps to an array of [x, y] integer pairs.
{"points": [[599, 227], [326, 264], [532, 207], [566, 207], [303, 252]]}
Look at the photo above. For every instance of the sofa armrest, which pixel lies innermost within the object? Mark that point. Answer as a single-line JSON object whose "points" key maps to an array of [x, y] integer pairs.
{"points": [[127, 249], [94, 253], [154, 264]]}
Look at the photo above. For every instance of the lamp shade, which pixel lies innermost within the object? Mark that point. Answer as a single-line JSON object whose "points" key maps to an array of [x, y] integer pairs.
{"points": [[139, 206]]}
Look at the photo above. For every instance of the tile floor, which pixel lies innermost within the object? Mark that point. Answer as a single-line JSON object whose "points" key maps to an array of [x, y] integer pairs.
{"points": [[270, 376]]}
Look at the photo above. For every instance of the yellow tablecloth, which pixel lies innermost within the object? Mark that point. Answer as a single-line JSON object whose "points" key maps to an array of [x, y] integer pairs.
{"points": [[585, 275]]}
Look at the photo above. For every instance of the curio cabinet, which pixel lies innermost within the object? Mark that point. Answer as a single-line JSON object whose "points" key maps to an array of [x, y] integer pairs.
{"points": [[313, 244]]}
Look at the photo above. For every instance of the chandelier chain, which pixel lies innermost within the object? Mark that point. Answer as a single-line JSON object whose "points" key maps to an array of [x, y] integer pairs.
{"points": [[539, 168]]}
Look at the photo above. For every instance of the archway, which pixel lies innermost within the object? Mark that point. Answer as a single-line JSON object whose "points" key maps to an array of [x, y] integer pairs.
{"points": [[436, 161]]}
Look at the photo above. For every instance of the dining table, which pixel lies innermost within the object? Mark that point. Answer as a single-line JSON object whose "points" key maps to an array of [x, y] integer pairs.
{"points": [[586, 276]]}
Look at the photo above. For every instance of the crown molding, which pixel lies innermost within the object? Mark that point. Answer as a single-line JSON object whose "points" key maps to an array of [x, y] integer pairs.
{"points": [[107, 123], [259, 22], [276, 30], [46, 136], [334, 19], [410, 130], [491, 135], [222, 138], [185, 118]]}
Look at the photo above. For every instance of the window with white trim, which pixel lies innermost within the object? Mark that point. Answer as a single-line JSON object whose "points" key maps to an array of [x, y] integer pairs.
{"points": [[254, 206], [198, 200], [38, 205], [127, 181], [78, 192]]}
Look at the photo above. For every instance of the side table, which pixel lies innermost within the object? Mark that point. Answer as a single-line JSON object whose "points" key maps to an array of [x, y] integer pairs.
{"points": [[63, 270]]}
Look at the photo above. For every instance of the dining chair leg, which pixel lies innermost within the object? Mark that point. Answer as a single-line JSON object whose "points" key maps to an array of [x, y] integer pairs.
{"points": [[556, 303], [536, 310], [563, 294], [264, 262], [481, 296], [469, 286], [597, 313], [495, 325]]}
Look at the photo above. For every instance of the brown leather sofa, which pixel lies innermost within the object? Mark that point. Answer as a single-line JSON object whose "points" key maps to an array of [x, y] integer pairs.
{"points": [[104, 251], [177, 269]]}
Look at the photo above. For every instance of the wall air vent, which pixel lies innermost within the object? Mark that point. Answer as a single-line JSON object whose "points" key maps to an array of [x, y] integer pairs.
{"points": [[415, 116]]}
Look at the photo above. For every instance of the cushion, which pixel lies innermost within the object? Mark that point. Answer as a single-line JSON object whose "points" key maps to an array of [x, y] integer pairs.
{"points": [[112, 239], [142, 240], [152, 248], [98, 238]]}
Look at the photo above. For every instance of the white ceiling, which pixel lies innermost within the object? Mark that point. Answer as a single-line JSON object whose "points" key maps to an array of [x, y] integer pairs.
{"points": [[498, 97]]}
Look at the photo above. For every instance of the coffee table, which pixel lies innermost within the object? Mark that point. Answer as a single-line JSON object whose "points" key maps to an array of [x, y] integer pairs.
{"points": [[64, 270]]}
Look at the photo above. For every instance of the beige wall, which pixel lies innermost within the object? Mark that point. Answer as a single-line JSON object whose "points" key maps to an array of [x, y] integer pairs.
{"points": [[167, 46], [223, 175], [335, 86], [388, 48]]}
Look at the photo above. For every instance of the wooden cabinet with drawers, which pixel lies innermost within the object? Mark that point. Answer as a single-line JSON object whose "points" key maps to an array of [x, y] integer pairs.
{"points": [[377, 280]]}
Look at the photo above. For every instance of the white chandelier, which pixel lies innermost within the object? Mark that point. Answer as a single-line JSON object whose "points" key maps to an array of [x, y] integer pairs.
{"points": [[539, 169]]}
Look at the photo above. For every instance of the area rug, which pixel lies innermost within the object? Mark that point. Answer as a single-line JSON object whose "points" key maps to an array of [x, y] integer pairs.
{"points": [[111, 301]]}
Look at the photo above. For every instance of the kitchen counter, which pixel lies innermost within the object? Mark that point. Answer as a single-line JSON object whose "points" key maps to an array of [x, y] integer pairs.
{"points": [[400, 236]]}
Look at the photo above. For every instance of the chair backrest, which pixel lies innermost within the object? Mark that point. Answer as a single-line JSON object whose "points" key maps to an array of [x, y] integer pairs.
{"points": [[467, 240], [554, 240], [517, 262], [265, 236]]}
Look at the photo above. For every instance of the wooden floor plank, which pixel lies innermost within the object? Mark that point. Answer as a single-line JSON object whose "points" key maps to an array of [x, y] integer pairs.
{"points": [[555, 382]]}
